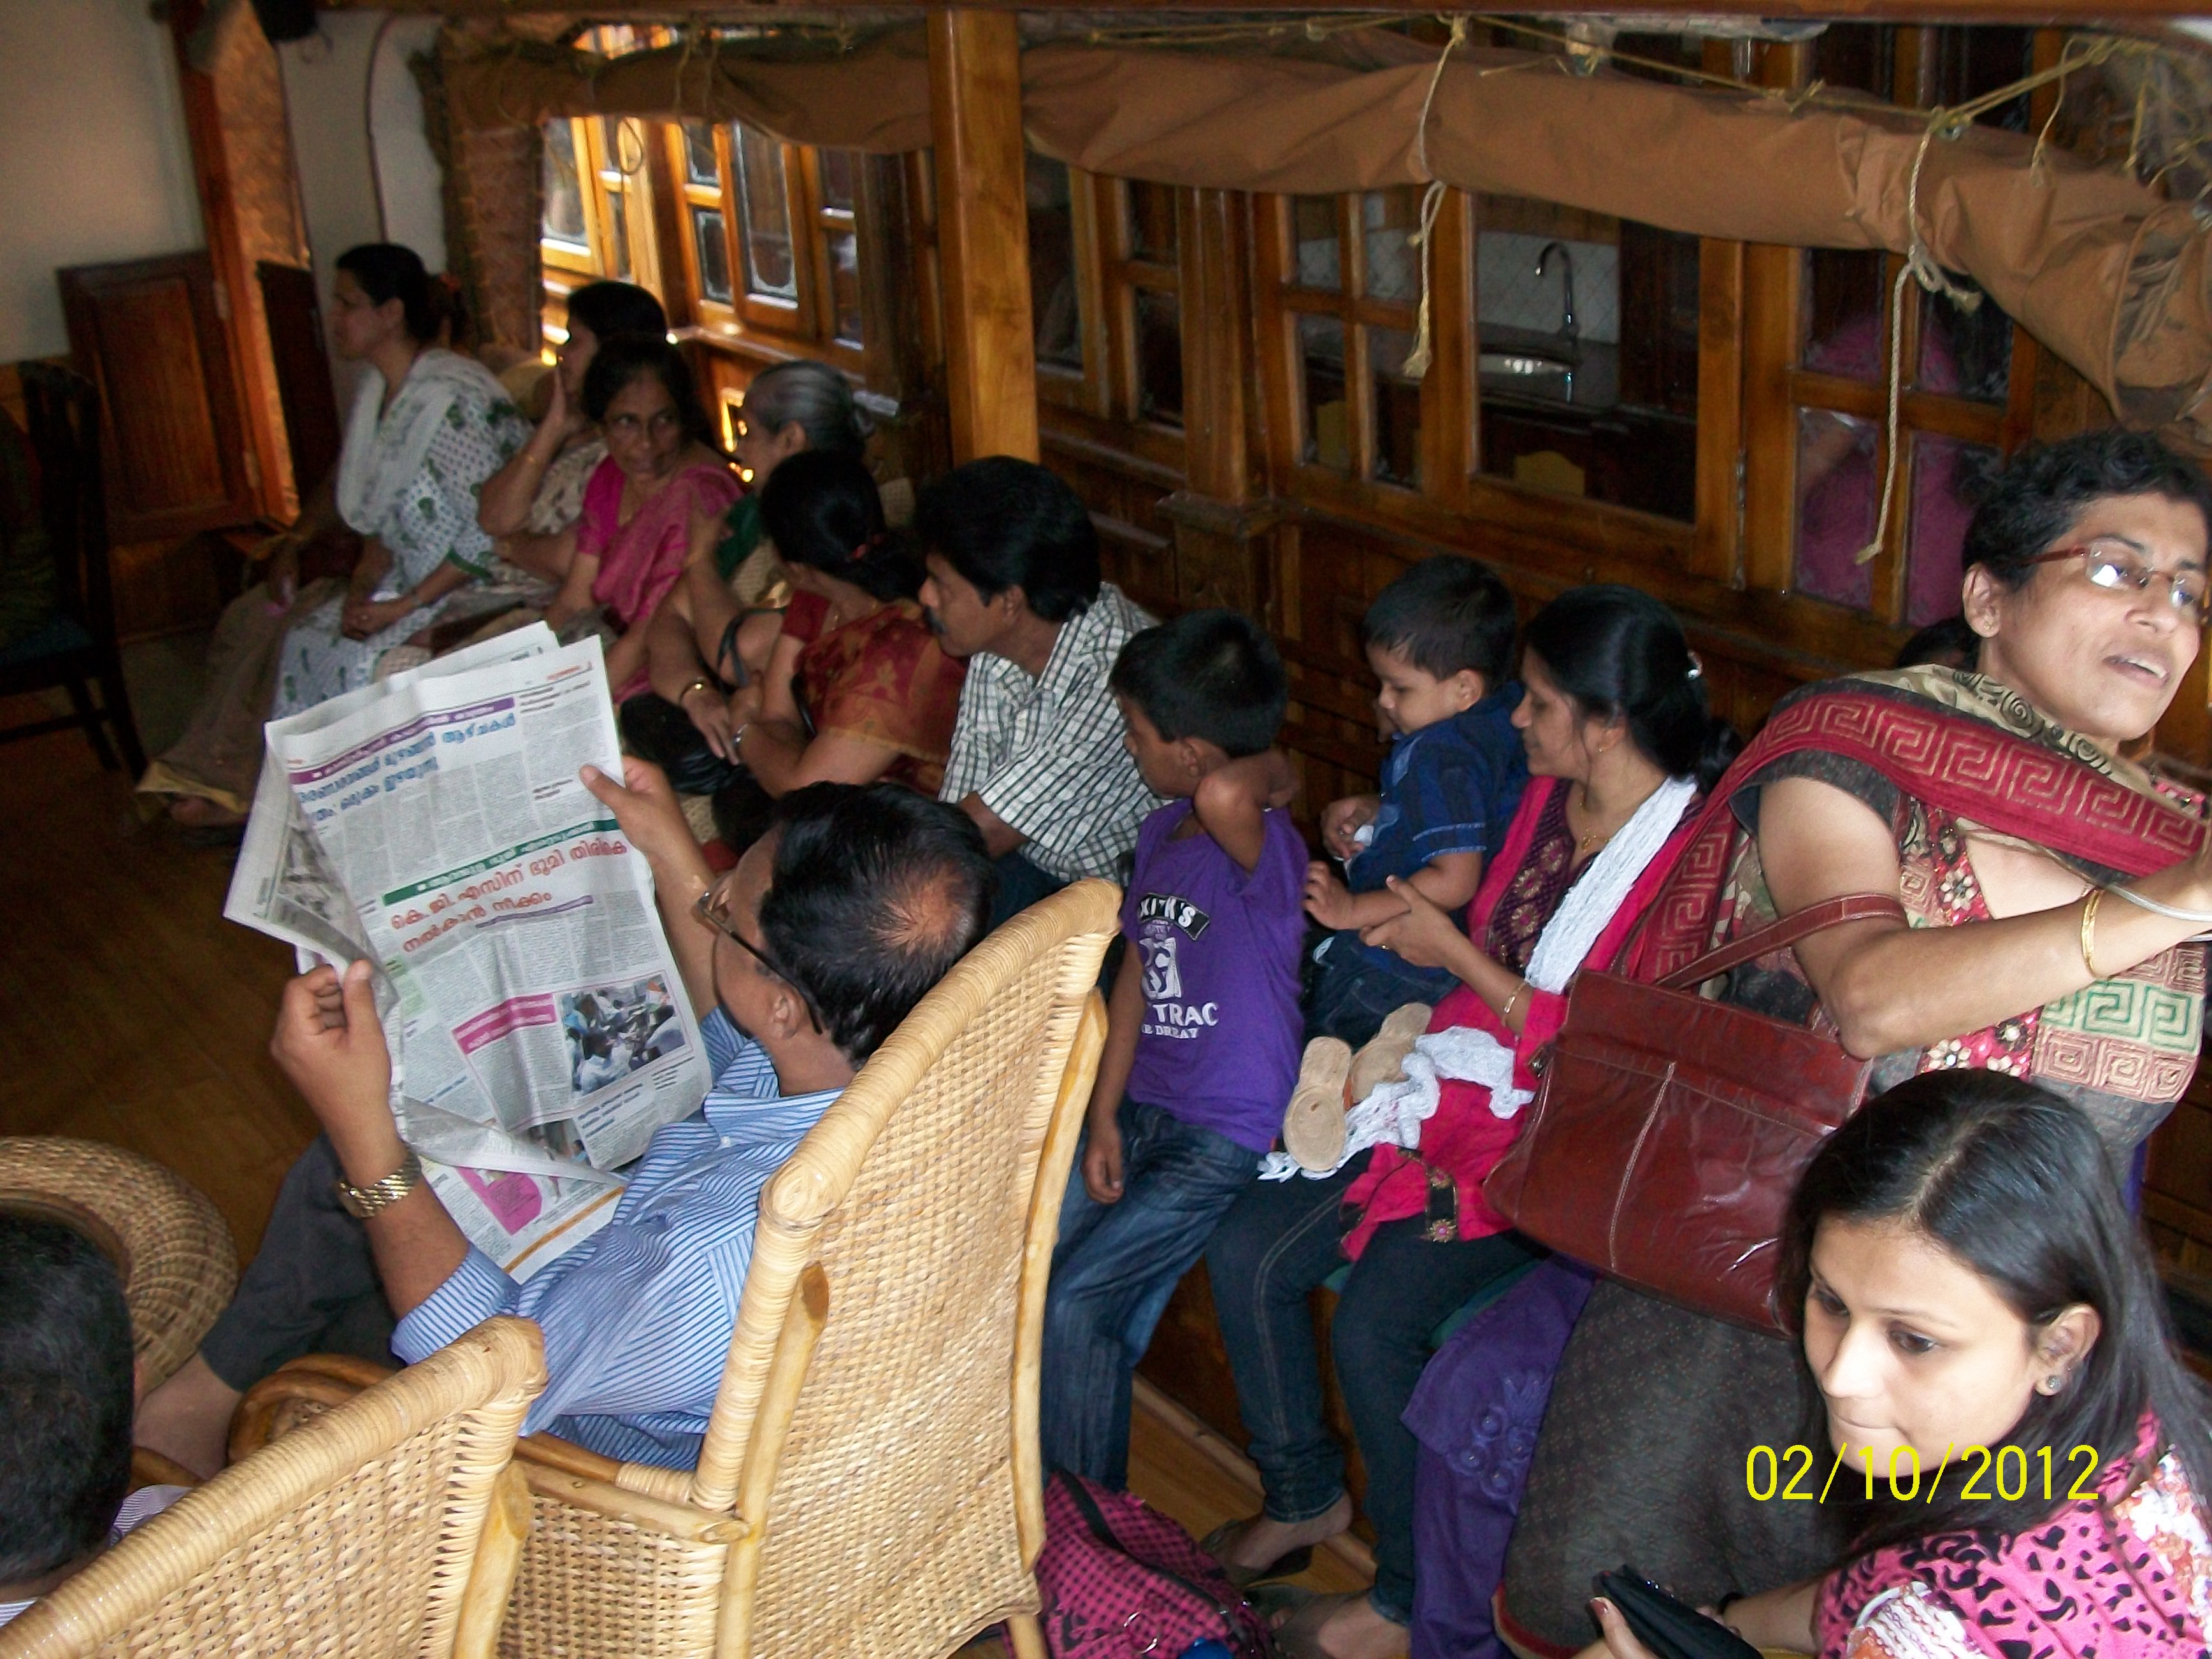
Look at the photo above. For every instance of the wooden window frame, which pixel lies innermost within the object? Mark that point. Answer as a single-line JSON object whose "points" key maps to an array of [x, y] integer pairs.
{"points": [[805, 326], [1779, 387], [1452, 491], [602, 176]]}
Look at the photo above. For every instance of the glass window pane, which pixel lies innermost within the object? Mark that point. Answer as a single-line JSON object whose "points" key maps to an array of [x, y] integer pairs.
{"points": [[1524, 279], [1152, 222], [1159, 356], [1846, 303], [1397, 407], [1318, 257], [1839, 493], [1389, 219], [707, 235], [764, 213], [1604, 407], [1860, 55], [1053, 298], [699, 153], [1320, 374], [1969, 61], [564, 190], [624, 144], [1944, 472], [843, 248], [840, 177], [1966, 353]]}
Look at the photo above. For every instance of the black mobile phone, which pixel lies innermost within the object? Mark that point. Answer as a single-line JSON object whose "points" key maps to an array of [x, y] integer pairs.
{"points": [[1671, 1628]]}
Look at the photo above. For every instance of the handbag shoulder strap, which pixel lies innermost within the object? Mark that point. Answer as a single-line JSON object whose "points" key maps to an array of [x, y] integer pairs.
{"points": [[1814, 919]]}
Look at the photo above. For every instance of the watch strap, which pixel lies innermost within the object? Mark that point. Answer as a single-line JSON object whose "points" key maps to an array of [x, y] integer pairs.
{"points": [[365, 1202]]}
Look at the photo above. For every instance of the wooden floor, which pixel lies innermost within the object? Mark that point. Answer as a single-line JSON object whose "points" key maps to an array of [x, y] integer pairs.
{"points": [[131, 1012]]}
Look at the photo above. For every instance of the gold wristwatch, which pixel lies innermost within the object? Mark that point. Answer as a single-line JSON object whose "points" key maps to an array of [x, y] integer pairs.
{"points": [[366, 1201]]}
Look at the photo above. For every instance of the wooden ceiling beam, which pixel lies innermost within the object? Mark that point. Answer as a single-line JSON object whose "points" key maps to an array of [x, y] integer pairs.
{"points": [[2083, 12]]}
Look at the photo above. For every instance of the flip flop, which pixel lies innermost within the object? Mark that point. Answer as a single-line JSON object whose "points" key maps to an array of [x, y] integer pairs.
{"points": [[1283, 1566], [1381, 1058], [1313, 1123]]}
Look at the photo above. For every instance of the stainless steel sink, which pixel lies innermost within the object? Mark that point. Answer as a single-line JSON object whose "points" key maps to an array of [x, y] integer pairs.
{"points": [[1521, 364]]}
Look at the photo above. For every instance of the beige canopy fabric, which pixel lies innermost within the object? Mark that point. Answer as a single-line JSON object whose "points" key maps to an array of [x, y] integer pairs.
{"points": [[2096, 266]]}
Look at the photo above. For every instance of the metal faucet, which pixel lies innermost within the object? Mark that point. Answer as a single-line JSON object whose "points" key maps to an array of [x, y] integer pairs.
{"points": [[1567, 300]]}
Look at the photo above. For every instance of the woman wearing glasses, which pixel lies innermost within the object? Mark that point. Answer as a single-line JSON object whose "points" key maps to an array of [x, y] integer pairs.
{"points": [[2052, 885]]}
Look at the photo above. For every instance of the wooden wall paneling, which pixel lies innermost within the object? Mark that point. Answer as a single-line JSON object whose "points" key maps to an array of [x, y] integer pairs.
{"points": [[1218, 553], [234, 120], [1716, 546], [1449, 403], [1216, 341], [1274, 342], [982, 225], [151, 332], [674, 258], [300, 349]]}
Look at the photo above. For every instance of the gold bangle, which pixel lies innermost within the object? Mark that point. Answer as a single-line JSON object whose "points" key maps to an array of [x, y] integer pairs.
{"points": [[2089, 931], [703, 684], [1505, 1014]]}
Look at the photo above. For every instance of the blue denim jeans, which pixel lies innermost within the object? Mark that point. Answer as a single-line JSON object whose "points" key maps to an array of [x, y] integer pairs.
{"points": [[1349, 996], [1020, 885], [1278, 1245], [1112, 1273]]}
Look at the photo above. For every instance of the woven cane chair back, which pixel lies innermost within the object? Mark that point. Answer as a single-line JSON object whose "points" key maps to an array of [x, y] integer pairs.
{"points": [[389, 1525], [868, 1485]]}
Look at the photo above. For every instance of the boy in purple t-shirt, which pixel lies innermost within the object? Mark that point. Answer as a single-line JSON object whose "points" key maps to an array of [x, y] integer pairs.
{"points": [[1202, 1038]]}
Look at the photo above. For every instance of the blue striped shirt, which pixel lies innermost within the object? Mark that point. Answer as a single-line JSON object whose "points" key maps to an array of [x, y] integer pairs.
{"points": [[637, 1318]]}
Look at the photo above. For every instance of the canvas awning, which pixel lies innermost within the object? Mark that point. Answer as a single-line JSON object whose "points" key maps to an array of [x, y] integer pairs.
{"points": [[2100, 269]]}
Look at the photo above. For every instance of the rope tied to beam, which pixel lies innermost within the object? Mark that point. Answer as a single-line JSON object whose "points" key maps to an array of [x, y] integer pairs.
{"points": [[1920, 265], [1432, 200]]}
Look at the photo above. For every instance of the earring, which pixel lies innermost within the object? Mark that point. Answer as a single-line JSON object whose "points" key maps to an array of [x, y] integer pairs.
{"points": [[2052, 1383]]}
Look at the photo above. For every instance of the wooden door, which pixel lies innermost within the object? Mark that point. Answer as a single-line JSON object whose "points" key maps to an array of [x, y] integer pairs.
{"points": [[150, 333], [294, 315]]}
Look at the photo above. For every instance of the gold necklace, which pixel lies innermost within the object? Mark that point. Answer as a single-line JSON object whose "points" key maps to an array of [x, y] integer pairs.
{"points": [[1596, 837]]}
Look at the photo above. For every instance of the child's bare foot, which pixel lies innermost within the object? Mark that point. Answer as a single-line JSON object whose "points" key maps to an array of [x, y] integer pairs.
{"points": [[1339, 1627], [198, 812], [1254, 1545]]}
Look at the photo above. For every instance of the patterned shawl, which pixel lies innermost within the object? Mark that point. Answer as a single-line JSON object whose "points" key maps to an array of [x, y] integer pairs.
{"points": [[1966, 754]]}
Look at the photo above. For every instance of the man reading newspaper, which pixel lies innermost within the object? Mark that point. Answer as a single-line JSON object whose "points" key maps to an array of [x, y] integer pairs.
{"points": [[797, 963]]}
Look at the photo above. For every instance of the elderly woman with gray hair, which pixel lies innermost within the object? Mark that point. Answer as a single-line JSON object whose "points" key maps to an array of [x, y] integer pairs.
{"points": [[710, 638]]}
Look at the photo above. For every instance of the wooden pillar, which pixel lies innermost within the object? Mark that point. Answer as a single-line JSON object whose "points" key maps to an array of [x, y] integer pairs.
{"points": [[982, 231], [1220, 528]]}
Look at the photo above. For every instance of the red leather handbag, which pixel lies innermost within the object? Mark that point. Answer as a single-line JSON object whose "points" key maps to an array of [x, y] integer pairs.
{"points": [[1668, 1131]]}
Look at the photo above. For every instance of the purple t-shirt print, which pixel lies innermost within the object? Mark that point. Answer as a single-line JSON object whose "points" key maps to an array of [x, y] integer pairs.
{"points": [[1219, 953]]}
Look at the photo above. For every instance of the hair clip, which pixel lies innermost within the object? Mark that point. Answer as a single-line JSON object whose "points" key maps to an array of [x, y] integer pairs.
{"points": [[869, 544], [1697, 668]]}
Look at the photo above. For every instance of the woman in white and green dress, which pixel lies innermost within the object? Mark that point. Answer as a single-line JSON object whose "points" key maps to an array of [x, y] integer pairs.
{"points": [[429, 427]]}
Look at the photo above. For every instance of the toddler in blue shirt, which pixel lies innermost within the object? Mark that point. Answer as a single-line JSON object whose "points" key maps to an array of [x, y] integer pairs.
{"points": [[1440, 641]]}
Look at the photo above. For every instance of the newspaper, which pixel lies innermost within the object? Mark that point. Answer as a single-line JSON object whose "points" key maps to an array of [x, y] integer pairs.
{"points": [[434, 823]]}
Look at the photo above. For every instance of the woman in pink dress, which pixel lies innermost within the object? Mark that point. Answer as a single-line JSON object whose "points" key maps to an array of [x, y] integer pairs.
{"points": [[1991, 1373], [662, 468]]}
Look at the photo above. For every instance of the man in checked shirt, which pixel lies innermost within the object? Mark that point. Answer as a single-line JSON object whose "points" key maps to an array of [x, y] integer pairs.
{"points": [[1037, 760]]}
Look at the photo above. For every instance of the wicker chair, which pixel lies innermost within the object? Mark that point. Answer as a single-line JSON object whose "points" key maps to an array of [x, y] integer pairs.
{"points": [[869, 1486], [389, 1525]]}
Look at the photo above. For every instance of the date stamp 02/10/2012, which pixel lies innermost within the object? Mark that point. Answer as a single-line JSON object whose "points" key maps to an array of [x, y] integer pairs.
{"points": [[1788, 1473]]}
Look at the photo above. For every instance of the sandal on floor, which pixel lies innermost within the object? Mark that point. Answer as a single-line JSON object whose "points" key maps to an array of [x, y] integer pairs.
{"points": [[1283, 1566], [1313, 1123]]}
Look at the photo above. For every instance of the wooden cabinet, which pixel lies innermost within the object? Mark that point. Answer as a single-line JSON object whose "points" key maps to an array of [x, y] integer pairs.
{"points": [[150, 333]]}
